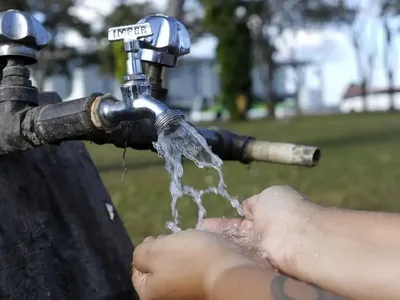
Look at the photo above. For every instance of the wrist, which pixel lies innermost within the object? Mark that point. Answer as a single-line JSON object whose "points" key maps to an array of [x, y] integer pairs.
{"points": [[221, 268], [245, 281], [305, 241]]}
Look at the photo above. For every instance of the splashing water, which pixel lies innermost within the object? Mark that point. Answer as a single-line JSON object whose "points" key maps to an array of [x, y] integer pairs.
{"points": [[185, 141]]}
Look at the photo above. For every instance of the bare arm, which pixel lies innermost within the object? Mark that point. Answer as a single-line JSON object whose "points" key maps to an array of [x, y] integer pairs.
{"points": [[258, 283], [375, 227], [356, 254]]}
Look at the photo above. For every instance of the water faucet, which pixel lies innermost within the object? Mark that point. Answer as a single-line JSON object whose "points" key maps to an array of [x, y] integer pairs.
{"points": [[32, 119], [157, 40]]}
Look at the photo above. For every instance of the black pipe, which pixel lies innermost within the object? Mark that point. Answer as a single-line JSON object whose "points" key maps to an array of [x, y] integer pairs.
{"points": [[12, 114], [33, 126], [227, 145], [72, 120], [62, 121]]}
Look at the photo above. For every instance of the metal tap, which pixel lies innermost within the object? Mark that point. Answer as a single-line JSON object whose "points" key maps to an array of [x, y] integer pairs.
{"points": [[156, 39], [21, 37], [169, 41]]}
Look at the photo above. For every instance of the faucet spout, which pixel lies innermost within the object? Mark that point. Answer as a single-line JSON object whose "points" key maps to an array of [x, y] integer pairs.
{"points": [[112, 111]]}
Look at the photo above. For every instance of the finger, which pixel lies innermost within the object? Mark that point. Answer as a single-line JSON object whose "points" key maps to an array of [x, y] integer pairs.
{"points": [[218, 225], [248, 207], [142, 256], [139, 281], [282, 192], [149, 239], [149, 286]]}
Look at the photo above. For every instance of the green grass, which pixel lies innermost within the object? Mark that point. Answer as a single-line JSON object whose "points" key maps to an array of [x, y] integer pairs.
{"points": [[360, 168]]}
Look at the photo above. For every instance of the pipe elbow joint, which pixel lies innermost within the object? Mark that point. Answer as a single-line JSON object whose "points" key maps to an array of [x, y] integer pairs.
{"points": [[107, 113]]}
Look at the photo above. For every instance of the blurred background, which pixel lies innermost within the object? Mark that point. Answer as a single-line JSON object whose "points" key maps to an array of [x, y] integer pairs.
{"points": [[318, 72]]}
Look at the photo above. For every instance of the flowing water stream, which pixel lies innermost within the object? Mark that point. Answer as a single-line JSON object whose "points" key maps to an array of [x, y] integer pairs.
{"points": [[187, 142]]}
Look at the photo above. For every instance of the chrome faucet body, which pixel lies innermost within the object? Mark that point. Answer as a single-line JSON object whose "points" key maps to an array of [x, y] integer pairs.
{"points": [[158, 40]]}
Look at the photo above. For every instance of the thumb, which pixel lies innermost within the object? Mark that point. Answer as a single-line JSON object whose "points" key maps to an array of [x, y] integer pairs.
{"points": [[248, 207], [143, 256], [139, 281], [148, 286]]}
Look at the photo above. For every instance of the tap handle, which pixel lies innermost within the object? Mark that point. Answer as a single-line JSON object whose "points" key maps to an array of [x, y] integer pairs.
{"points": [[169, 41], [131, 35], [127, 33], [21, 35]]}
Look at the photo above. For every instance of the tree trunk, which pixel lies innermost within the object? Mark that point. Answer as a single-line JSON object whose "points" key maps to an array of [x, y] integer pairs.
{"points": [[364, 94], [299, 84], [389, 70], [57, 238], [392, 97], [361, 73], [271, 93]]}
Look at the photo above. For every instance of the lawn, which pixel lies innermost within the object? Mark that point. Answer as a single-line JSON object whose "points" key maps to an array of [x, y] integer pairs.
{"points": [[360, 168]]}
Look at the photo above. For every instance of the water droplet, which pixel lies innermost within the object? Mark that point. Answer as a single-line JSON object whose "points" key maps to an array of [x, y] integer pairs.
{"points": [[173, 227]]}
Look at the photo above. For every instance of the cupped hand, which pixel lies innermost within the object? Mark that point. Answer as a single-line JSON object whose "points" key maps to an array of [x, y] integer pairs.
{"points": [[183, 265], [275, 221]]}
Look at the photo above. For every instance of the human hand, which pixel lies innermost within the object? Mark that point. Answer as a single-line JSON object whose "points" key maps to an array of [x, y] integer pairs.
{"points": [[275, 221], [184, 265]]}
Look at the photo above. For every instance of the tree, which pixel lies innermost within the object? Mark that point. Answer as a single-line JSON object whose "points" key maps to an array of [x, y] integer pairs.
{"points": [[364, 41], [264, 49], [234, 52], [269, 22], [364, 66], [57, 17], [388, 11], [263, 21]]}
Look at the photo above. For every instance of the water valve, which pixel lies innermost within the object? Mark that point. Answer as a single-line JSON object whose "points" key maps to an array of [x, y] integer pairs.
{"points": [[131, 35], [21, 35], [169, 41], [137, 103]]}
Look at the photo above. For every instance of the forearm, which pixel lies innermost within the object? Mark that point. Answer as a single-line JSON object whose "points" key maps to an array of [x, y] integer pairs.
{"points": [[375, 227], [256, 283], [337, 254]]}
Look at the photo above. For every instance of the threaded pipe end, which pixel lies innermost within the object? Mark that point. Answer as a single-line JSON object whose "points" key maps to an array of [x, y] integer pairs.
{"points": [[168, 121]]}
